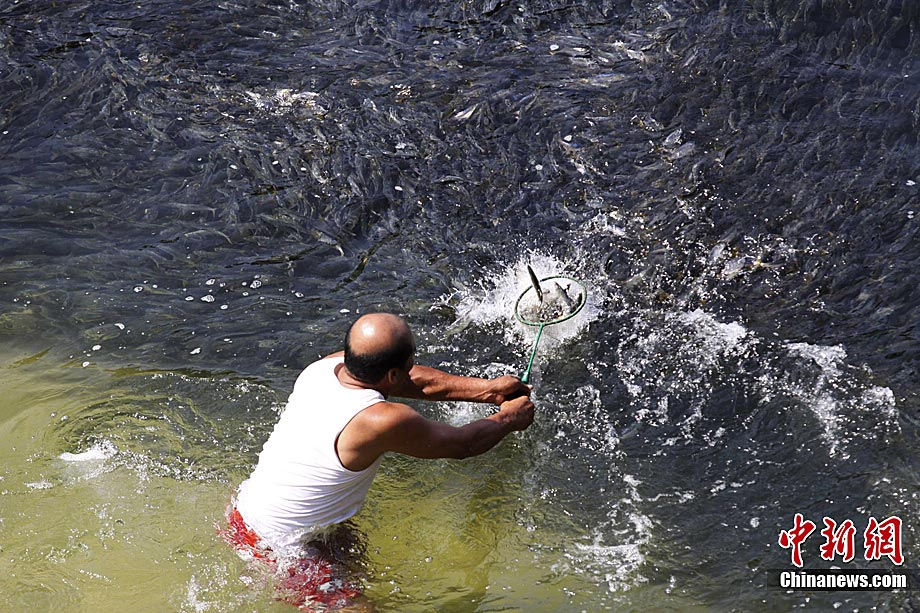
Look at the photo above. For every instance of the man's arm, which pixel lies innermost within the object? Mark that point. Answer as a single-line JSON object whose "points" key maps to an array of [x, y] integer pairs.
{"points": [[390, 426], [426, 383]]}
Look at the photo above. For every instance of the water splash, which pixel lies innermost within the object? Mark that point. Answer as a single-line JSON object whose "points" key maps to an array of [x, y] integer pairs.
{"points": [[630, 530], [673, 367], [492, 301], [90, 463], [846, 408]]}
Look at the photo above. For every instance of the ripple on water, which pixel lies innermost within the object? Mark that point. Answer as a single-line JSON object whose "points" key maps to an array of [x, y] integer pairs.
{"points": [[167, 424]]}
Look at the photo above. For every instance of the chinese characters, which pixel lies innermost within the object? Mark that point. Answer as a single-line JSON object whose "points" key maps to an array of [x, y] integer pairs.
{"points": [[880, 539]]}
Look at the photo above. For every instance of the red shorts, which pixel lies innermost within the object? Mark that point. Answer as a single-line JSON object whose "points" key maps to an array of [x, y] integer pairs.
{"points": [[316, 579]]}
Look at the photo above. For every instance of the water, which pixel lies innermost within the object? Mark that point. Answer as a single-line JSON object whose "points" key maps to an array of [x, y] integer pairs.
{"points": [[197, 198]]}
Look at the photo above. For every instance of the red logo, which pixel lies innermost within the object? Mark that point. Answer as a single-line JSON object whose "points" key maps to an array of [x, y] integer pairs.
{"points": [[880, 539], [884, 539], [838, 540], [795, 537]]}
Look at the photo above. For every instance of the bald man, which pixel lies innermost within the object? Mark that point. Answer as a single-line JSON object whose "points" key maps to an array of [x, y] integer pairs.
{"points": [[318, 464]]}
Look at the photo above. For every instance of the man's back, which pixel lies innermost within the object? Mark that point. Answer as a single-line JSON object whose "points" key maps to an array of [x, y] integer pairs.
{"points": [[299, 485]]}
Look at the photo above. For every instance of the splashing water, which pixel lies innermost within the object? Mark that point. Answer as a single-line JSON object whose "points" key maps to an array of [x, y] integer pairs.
{"points": [[492, 302]]}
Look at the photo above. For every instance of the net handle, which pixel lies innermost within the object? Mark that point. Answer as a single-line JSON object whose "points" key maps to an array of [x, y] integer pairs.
{"points": [[533, 352]]}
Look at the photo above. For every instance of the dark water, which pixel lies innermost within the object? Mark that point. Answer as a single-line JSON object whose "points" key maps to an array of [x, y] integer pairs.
{"points": [[199, 189]]}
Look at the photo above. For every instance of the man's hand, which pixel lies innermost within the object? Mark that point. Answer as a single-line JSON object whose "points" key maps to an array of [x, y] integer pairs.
{"points": [[517, 413], [505, 388]]}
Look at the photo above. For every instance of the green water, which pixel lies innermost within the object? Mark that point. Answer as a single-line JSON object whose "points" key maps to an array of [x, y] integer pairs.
{"points": [[136, 523]]}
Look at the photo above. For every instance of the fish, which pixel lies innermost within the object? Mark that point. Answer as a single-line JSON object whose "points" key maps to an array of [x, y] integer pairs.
{"points": [[569, 303], [536, 283], [572, 305]]}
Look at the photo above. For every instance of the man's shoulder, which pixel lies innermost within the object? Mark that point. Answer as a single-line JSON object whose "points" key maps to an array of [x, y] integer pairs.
{"points": [[320, 364], [384, 415], [378, 425]]}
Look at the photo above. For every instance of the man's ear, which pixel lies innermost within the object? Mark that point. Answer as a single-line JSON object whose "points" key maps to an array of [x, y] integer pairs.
{"points": [[392, 376]]}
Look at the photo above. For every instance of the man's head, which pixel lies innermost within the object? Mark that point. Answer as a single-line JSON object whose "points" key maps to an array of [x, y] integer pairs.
{"points": [[375, 345]]}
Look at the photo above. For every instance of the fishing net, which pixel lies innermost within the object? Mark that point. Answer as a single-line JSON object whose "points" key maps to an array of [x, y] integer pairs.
{"points": [[562, 299]]}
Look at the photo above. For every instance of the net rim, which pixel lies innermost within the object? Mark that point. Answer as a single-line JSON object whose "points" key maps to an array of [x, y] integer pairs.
{"points": [[558, 320]]}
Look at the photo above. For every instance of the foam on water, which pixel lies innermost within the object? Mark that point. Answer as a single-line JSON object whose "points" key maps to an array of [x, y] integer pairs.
{"points": [[718, 338], [828, 358], [39, 485], [90, 463], [102, 450]]}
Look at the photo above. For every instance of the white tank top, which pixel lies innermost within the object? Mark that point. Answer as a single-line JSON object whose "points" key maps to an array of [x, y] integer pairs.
{"points": [[299, 485]]}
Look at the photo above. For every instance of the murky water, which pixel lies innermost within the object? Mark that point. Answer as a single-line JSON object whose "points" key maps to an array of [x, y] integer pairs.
{"points": [[196, 198]]}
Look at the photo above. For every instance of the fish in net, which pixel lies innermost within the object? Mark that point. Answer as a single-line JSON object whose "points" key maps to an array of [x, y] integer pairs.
{"points": [[559, 300]]}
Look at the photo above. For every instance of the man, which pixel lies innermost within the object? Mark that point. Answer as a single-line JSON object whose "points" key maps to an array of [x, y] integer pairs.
{"points": [[318, 464]]}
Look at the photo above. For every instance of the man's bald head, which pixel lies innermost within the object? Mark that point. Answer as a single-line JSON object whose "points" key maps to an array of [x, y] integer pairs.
{"points": [[376, 343]]}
